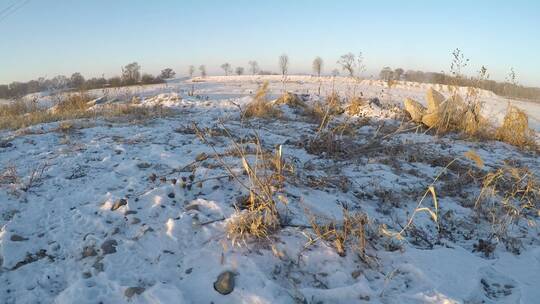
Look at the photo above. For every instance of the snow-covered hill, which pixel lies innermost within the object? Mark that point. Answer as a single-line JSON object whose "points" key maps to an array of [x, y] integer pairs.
{"points": [[121, 211]]}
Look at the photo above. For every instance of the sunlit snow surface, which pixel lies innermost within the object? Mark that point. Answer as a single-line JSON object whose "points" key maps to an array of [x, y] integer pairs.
{"points": [[175, 247]]}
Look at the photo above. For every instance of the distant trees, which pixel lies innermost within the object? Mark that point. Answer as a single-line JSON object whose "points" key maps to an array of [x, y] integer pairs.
{"points": [[283, 64], [202, 70], [317, 66], [166, 74], [347, 63], [191, 71], [131, 73], [386, 74], [253, 67], [227, 68], [352, 64], [59, 82], [398, 73], [239, 70], [76, 80], [335, 72]]}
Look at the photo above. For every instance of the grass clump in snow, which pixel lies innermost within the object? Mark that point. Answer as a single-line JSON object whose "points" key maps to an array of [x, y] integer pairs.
{"points": [[354, 107], [350, 233], [257, 216], [260, 106], [509, 194], [291, 100], [515, 128]]}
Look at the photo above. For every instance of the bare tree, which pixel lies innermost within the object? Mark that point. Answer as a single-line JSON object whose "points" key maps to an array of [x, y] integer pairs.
{"points": [[253, 67], [202, 69], [361, 67], [131, 73], [317, 66], [167, 73], [227, 68], [239, 70], [348, 63], [76, 80], [398, 73], [386, 74], [191, 71], [284, 64]]}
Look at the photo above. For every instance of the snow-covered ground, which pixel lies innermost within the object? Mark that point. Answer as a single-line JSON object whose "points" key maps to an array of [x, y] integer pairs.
{"points": [[62, 239]]}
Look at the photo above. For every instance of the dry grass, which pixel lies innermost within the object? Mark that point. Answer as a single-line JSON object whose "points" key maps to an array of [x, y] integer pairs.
{"points": [[351, 233], [508, 195], [21, 114], [260, 106], [458, 115], [257, 217], [515, 128], [354, 107], [291, 100]]}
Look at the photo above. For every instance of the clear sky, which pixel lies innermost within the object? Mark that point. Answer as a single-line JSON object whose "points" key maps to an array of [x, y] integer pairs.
{"points": [[95, 37]]}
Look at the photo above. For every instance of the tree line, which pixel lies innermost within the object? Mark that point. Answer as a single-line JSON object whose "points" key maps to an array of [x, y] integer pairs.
{"points": [[131, 75], [509, 88]]}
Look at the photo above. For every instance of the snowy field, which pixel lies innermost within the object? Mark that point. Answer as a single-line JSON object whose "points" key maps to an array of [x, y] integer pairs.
{"points": [[116, 211]]}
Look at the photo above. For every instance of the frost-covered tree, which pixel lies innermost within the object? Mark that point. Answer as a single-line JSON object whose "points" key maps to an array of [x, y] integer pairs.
{"points": [[131, 73], [317, 66], [283, 64], [348, 63], [386, 74], [191, 71], [167, 73], [239, 70], [253, 67], [76, 80], [227, 68], [398, 73], [202, 69]]}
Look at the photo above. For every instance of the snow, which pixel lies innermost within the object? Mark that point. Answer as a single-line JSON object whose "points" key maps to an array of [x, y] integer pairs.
{"points": [[171, 241]]}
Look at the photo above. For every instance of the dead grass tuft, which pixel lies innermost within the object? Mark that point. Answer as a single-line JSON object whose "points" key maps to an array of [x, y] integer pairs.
{"points": [[515, 128], [291, 100], [508, 195], [350, 233], [258, 216], [354, 107], [260, 106]]}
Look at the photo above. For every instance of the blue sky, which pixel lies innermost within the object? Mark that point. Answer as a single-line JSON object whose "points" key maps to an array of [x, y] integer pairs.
{"points": [[94, 37]]}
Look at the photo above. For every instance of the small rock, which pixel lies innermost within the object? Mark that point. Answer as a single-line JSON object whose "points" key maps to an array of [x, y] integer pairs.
{"points": [[355, 274], [189, 270], [88, 251], [152, 177], [131, 212], [171, 195], [375, 101], [224, 283], [131, 291], [87, 275], [98, 266], [143, 165], [17, 238], [201, 156], [173, 181], [163, 179], [119, 203], [135, 220], [5, 144], [109, 246]]}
